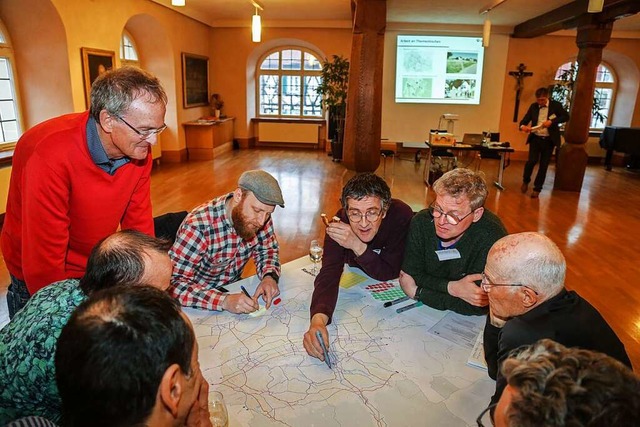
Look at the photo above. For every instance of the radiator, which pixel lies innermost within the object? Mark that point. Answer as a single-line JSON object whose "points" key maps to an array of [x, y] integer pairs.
{"points": [[299, 133]]}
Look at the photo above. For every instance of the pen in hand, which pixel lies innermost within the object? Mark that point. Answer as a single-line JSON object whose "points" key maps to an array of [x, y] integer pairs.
{"points": [[324, 349], [244, 290]]}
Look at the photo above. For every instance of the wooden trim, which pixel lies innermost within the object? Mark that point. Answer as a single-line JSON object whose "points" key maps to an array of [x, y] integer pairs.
{"points": [[6, 157], [288, 120], [249, 142], [173, 156]]}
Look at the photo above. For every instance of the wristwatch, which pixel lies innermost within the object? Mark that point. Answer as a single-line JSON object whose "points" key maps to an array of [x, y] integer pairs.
{"points": [[416, 296], [273, 275]]}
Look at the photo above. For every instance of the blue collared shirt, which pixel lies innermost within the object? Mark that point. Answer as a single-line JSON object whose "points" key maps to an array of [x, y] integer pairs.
{"points": [[98, 153]]}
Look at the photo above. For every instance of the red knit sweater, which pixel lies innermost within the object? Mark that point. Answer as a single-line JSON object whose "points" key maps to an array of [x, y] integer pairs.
{"points": [[61, 204]]}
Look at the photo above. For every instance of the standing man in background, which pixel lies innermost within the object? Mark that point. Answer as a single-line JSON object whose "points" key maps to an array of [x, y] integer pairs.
{"points": [[77, 178], [541, 123]]}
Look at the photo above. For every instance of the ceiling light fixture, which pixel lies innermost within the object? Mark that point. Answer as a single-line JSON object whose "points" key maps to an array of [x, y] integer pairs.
{"points": [[595, 6], [256, 23], [178, 2], [486, 32]]}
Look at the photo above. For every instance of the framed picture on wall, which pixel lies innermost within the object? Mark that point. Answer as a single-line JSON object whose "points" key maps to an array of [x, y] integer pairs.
{"points": [[195, 80], [94, 63]]}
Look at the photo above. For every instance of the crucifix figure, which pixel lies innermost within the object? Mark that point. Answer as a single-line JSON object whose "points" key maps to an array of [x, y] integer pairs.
{"points": [[519, 75]]}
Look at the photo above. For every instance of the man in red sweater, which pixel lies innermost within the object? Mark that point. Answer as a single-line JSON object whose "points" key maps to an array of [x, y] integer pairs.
{"points": [[77, 178]]}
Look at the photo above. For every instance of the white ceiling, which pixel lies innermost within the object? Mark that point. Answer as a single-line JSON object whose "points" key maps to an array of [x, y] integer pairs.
{"points": [[337, 13]]}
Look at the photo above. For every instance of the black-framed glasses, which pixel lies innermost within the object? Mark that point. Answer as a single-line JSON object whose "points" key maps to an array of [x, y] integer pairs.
{"points": [[450, 217], [143, 134], [487, 283], [371, 216], [486, 414]]}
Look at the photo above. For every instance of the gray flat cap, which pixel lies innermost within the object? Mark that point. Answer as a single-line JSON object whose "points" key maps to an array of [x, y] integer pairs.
{"points": [[263, 186]]}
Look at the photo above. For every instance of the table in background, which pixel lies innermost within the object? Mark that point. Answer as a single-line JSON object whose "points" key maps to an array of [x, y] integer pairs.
{"points": [[206, 139], [389, 370], [622, 139], [501, 151]]}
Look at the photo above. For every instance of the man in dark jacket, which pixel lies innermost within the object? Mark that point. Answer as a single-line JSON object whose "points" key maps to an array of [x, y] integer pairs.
{"points": [[541, 123], [524, 278]]}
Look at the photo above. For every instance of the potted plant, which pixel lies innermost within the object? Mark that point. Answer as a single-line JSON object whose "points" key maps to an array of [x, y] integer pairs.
{"points": [[216, 105], [335, 80], [563, 93]]}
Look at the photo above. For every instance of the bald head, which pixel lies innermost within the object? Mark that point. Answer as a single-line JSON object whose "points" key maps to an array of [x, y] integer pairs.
{"points": [[531, 259]]}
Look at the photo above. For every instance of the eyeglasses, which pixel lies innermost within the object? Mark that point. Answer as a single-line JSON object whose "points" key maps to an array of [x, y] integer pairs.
{"points": [[143, 134], [451, 218], [486, 414], [487, 283], [371, 216]]}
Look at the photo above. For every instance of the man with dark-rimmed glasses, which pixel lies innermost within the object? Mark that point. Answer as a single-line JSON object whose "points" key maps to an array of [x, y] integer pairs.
{"points": [[79, 177], [370, 235], [524, 279], [448, 243]]}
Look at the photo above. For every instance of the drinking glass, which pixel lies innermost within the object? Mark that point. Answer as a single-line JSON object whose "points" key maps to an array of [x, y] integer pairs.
{"points": [[218, 410], [315, 253]]}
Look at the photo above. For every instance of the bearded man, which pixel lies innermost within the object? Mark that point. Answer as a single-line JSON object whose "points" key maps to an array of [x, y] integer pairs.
{"points": [[216, 240]]}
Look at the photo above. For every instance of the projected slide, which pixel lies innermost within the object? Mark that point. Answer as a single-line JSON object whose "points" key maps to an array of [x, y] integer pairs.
{"points": [[444, 70]]}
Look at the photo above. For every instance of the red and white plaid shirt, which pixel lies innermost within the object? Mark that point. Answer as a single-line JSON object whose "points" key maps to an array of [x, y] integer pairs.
{"points": [[208, 254]]}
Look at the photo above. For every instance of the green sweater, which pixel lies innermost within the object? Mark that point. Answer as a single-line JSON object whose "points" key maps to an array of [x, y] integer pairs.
{"points": [[433, 275]]}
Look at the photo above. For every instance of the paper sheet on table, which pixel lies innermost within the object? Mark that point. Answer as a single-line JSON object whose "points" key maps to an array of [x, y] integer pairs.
{"points": [[459, 329], [349, 279], [476, 358], [259, 312]]}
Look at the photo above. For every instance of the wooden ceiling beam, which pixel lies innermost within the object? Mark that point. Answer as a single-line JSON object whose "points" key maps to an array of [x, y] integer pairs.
{"points": [[574, 14]]}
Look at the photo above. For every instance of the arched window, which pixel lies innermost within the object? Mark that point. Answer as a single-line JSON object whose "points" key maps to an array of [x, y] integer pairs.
{"points": [[603, 96], [10, 128], [287, 81], [128, 51]]}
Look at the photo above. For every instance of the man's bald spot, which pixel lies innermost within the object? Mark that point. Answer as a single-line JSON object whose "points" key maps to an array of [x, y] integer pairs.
{"points": [[514, 255]]}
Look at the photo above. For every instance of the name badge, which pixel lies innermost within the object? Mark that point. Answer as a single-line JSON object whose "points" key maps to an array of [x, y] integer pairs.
{"points": [[447, 254]]}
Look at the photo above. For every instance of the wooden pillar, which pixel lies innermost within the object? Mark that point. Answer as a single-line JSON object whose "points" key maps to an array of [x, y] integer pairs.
{"points": [[572, 157], [364, 100]]}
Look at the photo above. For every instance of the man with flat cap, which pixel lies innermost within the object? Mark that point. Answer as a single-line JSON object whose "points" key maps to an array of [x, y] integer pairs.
{"points": [[216, 240]]}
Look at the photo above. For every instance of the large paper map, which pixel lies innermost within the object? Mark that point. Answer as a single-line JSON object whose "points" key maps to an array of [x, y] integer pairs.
{"points": [[389, 369]]}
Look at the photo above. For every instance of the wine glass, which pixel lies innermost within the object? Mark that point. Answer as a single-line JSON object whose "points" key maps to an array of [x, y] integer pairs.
{"points": [[217, 410], [315, 253]]}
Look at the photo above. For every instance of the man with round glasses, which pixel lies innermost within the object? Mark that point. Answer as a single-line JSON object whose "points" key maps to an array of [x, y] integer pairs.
{"points": [[77, 178], [370, 235], [524, 279], [448, 243]]}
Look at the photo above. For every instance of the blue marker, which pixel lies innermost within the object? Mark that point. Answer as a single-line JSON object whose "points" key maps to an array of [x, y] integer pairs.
{"points": [[324, 349], [409, 307], [245, 291]]}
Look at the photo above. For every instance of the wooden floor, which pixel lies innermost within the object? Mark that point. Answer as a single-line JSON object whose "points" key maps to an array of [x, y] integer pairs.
{"points": [[598, 229]]}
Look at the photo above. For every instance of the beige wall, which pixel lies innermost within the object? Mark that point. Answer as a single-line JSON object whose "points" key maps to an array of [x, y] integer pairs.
{"points": [[48, 36], [234, 58]]}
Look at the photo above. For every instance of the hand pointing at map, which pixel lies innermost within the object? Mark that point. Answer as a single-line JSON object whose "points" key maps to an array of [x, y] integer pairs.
{"points": [[310, 342]]}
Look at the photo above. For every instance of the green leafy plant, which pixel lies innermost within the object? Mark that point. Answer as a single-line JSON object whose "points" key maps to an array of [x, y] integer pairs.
{"points": [[563, 93], [333, 88]]}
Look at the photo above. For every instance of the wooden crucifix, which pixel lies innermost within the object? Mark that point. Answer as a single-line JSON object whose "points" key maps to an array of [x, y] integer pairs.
{"points": [[519, 75]]}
